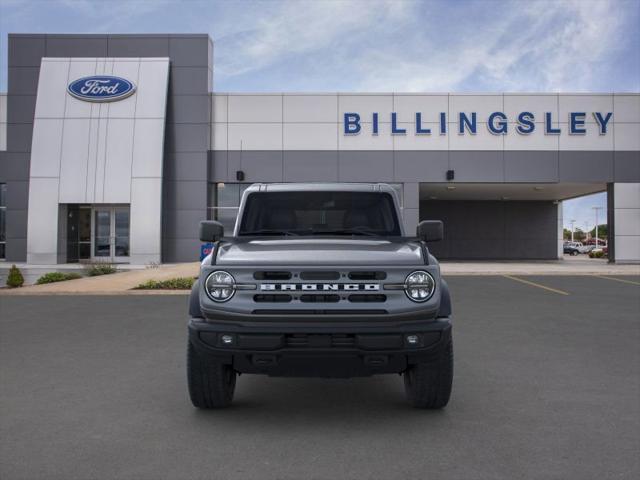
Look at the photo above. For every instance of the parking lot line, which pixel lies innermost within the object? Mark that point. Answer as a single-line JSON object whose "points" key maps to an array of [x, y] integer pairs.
{"points": [[534, 284], [618, 279]]}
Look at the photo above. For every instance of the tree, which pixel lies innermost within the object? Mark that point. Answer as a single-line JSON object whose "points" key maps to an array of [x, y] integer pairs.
{"points": [[603, 231], [578, 235]]}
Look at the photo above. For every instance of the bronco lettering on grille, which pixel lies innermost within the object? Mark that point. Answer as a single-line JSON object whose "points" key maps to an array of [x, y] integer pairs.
{"points": [[323, 287]]}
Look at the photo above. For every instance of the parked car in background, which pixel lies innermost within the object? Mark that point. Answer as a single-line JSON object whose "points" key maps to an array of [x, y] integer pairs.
{"points": [[599, 252], [572, 248], [586, 248]]}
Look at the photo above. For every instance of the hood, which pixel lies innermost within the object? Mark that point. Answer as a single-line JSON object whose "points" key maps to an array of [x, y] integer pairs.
{"points": [[325, 251]]}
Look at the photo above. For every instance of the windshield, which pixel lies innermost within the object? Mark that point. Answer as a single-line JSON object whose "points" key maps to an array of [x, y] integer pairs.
{"points": [[319, 213]]}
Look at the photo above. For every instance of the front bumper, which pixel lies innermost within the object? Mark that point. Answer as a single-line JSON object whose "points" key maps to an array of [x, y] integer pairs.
{"points": [[331, 350]]}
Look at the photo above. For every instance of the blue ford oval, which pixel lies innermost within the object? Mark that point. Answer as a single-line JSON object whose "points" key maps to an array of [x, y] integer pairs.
{"points": [[101, 88]]}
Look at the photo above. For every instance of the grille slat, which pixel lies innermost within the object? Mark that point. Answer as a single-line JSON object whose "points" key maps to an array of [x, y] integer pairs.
{"points": [[269, 298], [272, 275], [320, 275], [367, 275], [361, 298], [314, 298]]}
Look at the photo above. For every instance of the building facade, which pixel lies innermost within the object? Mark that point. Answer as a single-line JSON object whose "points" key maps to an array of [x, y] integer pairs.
{"points": [[114, 147]]}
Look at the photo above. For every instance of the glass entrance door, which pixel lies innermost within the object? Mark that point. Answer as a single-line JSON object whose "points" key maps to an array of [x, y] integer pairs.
{"points": [[78, 233], [111, 234]]}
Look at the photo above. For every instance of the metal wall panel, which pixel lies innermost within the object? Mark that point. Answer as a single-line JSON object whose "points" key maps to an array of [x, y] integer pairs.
{"points": [[626, 211]]}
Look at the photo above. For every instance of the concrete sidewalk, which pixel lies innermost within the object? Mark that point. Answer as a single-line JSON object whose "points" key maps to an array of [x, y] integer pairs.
{"points": [[116, 283], [581, 265], [124, 282]]}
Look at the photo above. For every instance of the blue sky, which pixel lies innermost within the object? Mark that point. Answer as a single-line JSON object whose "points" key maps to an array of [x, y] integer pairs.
{"points": [[378, 45]]}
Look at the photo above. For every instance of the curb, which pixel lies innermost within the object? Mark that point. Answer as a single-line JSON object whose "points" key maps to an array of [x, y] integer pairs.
{"points": [[17, 293]]}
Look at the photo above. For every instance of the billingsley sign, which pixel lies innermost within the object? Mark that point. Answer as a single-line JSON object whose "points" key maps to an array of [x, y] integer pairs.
{"points": [[497, 123]]}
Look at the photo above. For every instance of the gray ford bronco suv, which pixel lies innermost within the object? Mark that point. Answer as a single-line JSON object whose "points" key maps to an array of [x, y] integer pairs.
{"points": [[319, 280]]}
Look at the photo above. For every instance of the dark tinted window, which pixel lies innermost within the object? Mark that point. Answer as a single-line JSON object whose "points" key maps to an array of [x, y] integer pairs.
{"points": [[317, 213]]}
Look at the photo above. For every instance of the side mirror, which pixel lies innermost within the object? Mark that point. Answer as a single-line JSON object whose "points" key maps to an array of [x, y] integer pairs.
{"points": [[430, 231], [211, 231]]}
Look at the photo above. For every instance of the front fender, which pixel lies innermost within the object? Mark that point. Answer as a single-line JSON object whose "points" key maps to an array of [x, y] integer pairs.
{"points": [[445, 300], [194, 301]]}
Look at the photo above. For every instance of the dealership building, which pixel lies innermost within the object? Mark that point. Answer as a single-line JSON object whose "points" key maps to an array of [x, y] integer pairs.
{"points": [[114, 147]]}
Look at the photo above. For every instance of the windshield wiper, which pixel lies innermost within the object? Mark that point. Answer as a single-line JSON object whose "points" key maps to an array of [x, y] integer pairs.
{"points": [[351, 231], [365, 231], [269, 231]]}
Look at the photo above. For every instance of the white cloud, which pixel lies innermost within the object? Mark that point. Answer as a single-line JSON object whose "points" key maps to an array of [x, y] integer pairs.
{"points": [[283, 31], [411, 46], [377, 45], [542, 47]]}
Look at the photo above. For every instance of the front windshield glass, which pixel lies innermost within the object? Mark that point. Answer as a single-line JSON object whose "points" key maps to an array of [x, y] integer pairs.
{"points": [[319, 213]]}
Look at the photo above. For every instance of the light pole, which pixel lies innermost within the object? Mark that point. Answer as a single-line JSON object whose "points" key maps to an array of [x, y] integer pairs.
{"points": [[596, 209], [586, 231], [572, 228]]}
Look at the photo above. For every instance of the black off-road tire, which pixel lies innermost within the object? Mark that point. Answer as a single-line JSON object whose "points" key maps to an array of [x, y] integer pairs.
{"points": [[428, 385], [211, 383]]}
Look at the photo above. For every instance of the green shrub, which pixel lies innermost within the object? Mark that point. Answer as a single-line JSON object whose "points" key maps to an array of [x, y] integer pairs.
{"points": [[180, 283], [596, 254], [15, 278], [52, 277], [100, 269]]}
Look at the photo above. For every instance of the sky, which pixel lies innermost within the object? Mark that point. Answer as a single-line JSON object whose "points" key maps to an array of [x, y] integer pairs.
{"points": [[378, 45]]}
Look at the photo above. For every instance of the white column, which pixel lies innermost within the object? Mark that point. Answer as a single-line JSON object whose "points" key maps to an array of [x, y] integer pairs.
{"points": [[626, 211], [560, 236], [42, 221], [411, 207]]}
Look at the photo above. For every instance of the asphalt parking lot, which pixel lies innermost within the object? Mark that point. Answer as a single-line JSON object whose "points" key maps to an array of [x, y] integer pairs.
{"points": [[547, 385]]}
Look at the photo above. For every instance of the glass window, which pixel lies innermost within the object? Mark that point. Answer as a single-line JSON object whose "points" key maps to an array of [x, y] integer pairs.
{"points": [[121, 224], [102, 246], [320, 213], [224, 202]]}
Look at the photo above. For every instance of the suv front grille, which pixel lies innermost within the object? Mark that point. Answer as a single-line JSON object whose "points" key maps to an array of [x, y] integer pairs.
{"points": [[325, 288]]}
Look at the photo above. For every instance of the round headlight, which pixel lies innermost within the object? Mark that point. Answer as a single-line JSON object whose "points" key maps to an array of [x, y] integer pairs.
{"points": [[220, 286], [419, 286]]}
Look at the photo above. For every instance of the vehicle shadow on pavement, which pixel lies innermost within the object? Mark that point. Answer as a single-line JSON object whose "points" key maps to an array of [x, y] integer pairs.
{"points": [[288, 401]]}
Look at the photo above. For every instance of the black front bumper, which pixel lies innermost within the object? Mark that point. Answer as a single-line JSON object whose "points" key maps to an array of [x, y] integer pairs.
{"points": [[346, 349]]}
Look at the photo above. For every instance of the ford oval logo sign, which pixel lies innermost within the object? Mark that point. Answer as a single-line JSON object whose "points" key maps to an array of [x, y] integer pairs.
{"points": [[101, 88]]}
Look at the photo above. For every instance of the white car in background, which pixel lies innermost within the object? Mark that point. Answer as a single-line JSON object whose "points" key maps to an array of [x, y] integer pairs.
{"points": [[586, 248]]}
